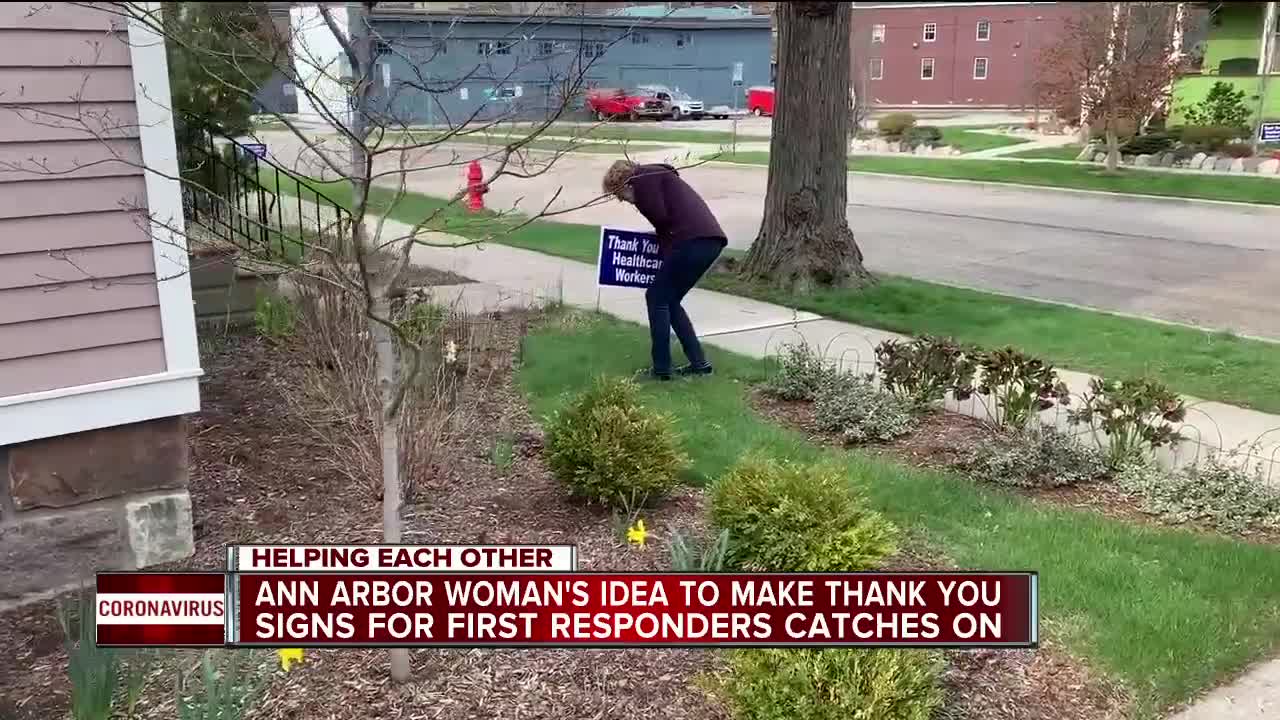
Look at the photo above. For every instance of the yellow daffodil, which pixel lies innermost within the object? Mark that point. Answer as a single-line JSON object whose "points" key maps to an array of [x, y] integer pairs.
{"points": [[289, 656], [636, 534]]}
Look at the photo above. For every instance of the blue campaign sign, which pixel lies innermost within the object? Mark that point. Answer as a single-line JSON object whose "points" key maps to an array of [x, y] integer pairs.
{"points": [[259, 149], [628, 258], [1269, 132]]}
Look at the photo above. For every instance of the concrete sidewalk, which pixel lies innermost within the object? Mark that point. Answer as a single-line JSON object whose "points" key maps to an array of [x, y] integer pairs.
{"points": [[758, 329]]}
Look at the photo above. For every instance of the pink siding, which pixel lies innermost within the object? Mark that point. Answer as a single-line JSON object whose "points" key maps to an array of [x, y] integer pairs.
{"points": [[50, 372], [55, 267], [38, 303], [69, 159], [1019, 32], [69, 121], [30, 339], [89, 229], [78, 298]]}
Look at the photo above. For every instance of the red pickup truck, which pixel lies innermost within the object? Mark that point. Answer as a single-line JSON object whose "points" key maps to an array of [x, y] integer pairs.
{"points": [[606, 104]]}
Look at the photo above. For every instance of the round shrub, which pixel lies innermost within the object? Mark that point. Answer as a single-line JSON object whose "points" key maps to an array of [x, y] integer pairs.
{"points": [[1035, 458], [895, 124], [608, 448], [922, 135], [801, 371], [793, 517], [1148, 144], [854, 407], [836, 684]]}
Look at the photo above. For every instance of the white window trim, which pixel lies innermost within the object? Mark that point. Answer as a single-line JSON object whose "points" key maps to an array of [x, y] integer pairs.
{"points": [[164, 195], [872, 69], [882, 29], [933, 68], [924, 32], [176, 391], [986, 68], [977, 31], [99, 405]]}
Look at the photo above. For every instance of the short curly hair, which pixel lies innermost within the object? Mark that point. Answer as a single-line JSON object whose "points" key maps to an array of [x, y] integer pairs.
{"points": [[617, 176]]}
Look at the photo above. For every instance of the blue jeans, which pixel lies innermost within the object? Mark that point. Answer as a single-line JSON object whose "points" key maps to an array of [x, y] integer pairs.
{"points": [[687, 263]]}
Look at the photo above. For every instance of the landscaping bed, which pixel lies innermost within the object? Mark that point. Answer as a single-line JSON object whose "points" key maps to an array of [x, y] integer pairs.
{"points": [[1166, 612]]}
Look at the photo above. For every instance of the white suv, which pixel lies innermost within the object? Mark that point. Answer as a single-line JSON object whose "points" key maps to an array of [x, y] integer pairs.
{"points": [[679, 104]]}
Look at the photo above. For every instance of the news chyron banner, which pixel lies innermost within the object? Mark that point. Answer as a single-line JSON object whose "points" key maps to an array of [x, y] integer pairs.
{"points": [[534, 596]]}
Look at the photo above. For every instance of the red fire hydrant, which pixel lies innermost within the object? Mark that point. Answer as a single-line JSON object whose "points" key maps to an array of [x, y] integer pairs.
{"points": [[475, 187]]}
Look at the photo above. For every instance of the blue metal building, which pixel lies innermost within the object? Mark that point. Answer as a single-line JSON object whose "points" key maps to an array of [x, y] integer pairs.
{"points": [[446, 68]]}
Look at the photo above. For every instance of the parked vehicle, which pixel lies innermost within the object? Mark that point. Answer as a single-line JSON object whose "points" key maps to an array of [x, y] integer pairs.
{"points": [[606, 104], [679, 105], [760, 101]]}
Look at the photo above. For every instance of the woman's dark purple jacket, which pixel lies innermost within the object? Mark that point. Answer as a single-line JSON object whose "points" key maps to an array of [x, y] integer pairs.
{"points": [[675, 209]]}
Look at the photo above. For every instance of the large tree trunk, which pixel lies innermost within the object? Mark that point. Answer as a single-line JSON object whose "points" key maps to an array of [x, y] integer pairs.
{"points": [[805, 240], [1113, 147]]}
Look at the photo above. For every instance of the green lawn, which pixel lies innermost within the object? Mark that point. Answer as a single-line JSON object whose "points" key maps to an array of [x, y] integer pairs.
{"points": [[1167, 612], [1061, 152], [1212, 366], [1080, 177], [966, 140]]}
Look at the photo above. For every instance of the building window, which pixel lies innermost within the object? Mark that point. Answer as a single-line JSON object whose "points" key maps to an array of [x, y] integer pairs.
{"points": [[984, 30], [546, 47], [442, 47], [877, 68], [684, 39], [593, 49], [494, 47], [877, 33], [639, 38], [381, 47], [926, 68], [484, 47], [930, 32], [504, 47], [980, 68]]}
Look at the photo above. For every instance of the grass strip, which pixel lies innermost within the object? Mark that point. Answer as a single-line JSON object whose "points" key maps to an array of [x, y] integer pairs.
{"points": [[1060, 175]]}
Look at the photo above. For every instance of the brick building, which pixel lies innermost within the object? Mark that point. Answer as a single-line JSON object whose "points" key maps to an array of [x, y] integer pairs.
{"points": [[935, 55]]}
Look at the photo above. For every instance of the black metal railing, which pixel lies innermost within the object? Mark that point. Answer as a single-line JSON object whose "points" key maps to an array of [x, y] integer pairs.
{"points": [[249, 202]]}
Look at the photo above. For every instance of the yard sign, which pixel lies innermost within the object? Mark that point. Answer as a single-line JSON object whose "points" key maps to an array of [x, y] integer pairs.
{"points": [[1269, 132], [628, 258]]}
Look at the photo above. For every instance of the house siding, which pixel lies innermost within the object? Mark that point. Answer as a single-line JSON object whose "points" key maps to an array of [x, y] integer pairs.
{"points": [[703, 67], [78, 298], [1019, 33]]}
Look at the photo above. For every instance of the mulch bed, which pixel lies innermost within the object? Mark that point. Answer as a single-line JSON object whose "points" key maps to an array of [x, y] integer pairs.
{"points": [[258, 476], [941, 440]]}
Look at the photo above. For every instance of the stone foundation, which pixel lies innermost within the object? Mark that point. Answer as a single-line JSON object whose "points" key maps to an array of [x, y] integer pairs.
{"points": [[108, 499]]}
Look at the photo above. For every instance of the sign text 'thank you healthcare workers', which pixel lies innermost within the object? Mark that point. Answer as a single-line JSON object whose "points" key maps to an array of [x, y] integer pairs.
{"points": [[628, 258]]}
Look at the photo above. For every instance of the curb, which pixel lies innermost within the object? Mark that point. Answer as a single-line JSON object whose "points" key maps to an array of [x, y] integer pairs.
{"points": [[1171, 200]]}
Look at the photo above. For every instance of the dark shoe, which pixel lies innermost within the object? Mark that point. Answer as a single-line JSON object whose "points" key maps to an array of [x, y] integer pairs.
{"points": [[694, 370], [649, 374]]}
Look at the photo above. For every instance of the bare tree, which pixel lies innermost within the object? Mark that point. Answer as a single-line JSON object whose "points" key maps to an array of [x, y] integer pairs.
{"points": [[1119, 60], [804, 239], [358, 252]]}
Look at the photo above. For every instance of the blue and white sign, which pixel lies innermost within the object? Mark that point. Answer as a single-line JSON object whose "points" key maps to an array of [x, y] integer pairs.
{"points": [[259, 149], [628, 258], [1269, 132]]}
